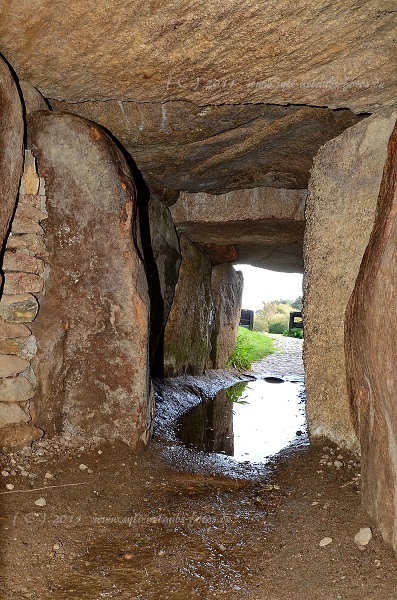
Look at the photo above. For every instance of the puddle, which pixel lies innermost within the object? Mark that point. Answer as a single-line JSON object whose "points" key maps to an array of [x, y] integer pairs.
{"points": [[250, 421]]}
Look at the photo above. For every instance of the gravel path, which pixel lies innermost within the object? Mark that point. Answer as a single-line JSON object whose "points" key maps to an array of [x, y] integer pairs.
{"points": [[285, 362]]}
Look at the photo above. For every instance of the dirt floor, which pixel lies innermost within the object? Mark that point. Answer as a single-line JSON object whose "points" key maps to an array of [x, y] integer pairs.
{"points": [[93, 522], [134, 527]]}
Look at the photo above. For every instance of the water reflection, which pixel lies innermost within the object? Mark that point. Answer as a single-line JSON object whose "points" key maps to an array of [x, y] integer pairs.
{"points": [[250, 421], [209, 425]]}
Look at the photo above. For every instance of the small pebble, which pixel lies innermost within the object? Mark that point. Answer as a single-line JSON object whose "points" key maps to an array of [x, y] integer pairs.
{"points": [[25, 473], [48, 475], [40, 502], [9, 486], [363, 537], [128, 556], [325, 541], [5, 474], [83, 467], [338, 464]]}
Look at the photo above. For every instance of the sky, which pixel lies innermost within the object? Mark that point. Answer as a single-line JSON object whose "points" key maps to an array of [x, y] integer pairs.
{"points": [[261, 286]]}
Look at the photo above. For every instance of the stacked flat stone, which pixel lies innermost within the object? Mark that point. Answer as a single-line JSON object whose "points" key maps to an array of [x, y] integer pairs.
{"points": [[24, 269]]}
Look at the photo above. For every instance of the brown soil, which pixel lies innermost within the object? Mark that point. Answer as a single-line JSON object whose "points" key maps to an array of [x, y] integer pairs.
{"points": [[137, 527]]}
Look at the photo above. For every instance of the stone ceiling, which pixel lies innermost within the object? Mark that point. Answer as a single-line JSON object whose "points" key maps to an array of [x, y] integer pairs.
{"points": [[210, 96], [328, 53]]}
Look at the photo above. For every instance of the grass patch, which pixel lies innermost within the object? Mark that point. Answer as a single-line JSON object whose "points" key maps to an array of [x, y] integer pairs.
{"points": [[250, 346]]}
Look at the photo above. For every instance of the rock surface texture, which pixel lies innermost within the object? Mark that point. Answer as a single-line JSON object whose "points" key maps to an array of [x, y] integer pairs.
{"points": [[92, 327], [371, 342], [227, 290], [340, 213], [187, 332], [11, 149], [340, 54], [218, 148], [264, 225], [209, 97], [162, 260]]}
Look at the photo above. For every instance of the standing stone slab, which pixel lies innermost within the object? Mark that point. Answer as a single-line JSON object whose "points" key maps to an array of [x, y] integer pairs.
{"points": [[11, 147], [92, 327], [187, 332], [227, 290], [32, 98], [162, 259], [371, 353], [340, 212]]}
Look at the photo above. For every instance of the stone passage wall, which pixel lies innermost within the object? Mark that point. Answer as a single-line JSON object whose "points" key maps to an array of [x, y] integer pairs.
{"points": [[227, 291], [11, 149], [340, 212], [93, 325], [162, 260], [371, 352], [187, 332], [24, 270]]}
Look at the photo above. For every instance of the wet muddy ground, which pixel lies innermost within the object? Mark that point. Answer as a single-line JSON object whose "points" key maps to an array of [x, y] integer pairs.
{"points": [[171, 523]]}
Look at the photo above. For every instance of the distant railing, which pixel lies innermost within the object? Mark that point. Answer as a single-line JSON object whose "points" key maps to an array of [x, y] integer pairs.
{"points": [[247, 319], [295, 320]]}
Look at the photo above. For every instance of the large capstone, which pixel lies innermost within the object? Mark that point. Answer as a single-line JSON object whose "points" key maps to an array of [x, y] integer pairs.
{"points": [[92, 327], [264, 225], [329, 53]]}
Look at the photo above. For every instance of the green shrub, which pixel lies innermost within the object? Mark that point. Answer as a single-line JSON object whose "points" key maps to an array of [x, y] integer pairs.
{"points": [[278, 323], [250, 346], [295, 333], [272, 313]]}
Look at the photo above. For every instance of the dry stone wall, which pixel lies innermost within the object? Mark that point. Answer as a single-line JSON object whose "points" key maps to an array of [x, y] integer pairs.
{"points": [[24, 270]]}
